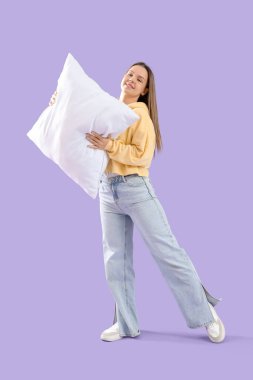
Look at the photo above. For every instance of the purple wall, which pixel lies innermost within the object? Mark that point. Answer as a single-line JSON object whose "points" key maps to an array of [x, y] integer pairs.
{"points": [[54, 297]]}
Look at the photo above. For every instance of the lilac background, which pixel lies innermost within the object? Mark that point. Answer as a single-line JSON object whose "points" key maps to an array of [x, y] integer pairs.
{"points": [[54, 297]]}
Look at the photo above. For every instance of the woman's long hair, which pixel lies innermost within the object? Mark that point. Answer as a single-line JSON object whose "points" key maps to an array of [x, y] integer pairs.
{"points": [[150, 100]]}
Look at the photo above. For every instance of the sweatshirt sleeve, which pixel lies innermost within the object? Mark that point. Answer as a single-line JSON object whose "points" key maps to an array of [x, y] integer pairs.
{"points": [[136, 153]]}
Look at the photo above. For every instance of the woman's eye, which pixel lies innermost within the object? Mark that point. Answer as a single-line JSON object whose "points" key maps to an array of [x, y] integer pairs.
{"points": [[130, 74]]}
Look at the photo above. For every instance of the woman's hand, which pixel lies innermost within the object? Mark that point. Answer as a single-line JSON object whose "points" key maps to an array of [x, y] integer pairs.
{"points": [[97, 140], [53, 98]]}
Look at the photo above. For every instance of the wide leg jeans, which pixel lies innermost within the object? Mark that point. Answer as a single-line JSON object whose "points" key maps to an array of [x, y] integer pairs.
{"points": [[131, 200]]}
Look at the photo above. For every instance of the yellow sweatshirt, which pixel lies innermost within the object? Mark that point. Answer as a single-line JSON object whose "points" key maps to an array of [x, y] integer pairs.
{"points": [[132, 151]]}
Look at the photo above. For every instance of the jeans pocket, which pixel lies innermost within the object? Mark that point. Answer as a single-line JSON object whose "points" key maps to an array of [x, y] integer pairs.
{"points": [[150, 187]]}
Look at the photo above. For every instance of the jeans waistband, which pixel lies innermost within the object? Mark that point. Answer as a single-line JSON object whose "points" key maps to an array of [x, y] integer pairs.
{"points": [[118, 178]]}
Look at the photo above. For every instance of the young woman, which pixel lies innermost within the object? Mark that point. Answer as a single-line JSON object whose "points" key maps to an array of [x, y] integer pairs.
{"points": [[127, 197]]}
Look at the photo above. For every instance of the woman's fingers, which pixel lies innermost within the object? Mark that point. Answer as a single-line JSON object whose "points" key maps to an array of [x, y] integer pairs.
{"points": [[93, 140], [53, 98], [97, 140]]}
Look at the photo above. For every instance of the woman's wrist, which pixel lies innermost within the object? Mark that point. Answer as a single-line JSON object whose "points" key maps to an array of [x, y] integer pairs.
{"points": [[109, 144]]}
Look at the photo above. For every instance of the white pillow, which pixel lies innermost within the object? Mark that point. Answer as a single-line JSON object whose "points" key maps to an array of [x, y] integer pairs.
{"points": [[81, 106]]}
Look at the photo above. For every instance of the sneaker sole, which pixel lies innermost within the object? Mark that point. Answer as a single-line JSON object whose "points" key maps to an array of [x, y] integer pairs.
{"points": [[110, 337]]}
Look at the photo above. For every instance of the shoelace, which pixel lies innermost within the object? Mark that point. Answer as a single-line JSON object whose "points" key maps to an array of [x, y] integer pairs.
{"points": [[212, 324]]}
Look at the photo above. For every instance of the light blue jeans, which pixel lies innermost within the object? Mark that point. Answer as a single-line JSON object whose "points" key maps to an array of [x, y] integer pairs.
{"points": [[128, 200]]}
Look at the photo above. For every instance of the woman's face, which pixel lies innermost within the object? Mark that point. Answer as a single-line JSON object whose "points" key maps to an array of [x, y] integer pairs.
{"points": [[134, 81]]}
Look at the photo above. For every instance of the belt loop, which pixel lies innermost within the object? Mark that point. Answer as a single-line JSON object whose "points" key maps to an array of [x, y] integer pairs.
{"points": [[124, 179]]}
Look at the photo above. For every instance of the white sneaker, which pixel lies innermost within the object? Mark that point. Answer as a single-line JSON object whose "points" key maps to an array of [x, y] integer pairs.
{"points": [[216, 329], [111, 334]]}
